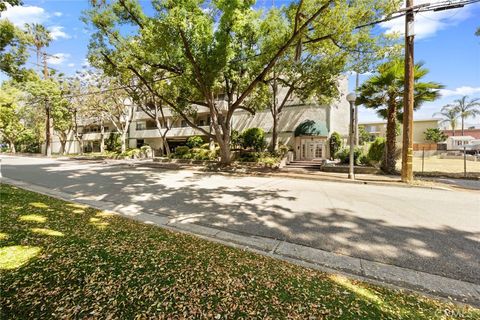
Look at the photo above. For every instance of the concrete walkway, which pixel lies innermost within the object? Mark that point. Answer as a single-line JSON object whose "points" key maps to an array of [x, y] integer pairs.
{"points": [[421, 239]]}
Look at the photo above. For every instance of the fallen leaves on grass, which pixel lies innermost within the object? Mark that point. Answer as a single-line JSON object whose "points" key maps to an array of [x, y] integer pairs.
{"points": [[106, 266]]}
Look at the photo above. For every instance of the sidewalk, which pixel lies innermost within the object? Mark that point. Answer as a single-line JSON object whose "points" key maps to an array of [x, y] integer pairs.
{"points": [[380, 273], [373, 179]]}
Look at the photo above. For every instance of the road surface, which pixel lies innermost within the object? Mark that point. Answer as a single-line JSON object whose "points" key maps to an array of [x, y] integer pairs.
{"points": [[434, 231]]}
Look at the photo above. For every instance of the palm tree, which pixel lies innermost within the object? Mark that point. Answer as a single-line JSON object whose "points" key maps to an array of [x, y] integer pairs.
{"points": [[384, 93], [450, 115], [466, 109], [40, 37]]}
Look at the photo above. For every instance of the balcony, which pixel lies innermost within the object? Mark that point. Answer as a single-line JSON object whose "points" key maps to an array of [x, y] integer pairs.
{"points": [[174, 132]]}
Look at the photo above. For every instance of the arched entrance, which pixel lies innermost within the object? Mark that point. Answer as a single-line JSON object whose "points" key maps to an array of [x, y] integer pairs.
{"points": [[311, 141]]}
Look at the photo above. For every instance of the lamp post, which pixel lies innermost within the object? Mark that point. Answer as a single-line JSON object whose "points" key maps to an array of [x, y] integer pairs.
{"points": [[351, 97]]}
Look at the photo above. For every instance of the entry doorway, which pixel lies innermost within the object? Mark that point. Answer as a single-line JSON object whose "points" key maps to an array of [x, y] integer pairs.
{"points": [[311, 148]]}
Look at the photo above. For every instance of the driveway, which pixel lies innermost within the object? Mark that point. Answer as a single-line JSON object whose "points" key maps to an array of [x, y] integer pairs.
{"points": [[434, 231]]}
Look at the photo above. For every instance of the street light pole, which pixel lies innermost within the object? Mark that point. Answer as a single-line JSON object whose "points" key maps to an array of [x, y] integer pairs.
{"points": [[351, 97]]}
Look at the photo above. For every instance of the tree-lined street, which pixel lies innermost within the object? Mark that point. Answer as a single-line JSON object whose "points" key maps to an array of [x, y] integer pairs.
{"points": [[435, 231]]}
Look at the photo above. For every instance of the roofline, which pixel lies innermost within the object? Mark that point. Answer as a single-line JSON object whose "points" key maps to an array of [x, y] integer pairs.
{"points": [[385, 122]]}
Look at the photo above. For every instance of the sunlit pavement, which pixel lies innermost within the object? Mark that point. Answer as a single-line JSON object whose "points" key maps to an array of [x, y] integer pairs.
{"points": [[434, 231]]}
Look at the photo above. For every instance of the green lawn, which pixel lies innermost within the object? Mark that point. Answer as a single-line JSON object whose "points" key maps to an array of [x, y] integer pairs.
{"points": [[63, 260]]}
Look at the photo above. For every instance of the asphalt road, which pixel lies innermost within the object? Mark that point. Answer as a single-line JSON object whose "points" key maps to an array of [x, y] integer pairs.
{"points": [[435, 231]]}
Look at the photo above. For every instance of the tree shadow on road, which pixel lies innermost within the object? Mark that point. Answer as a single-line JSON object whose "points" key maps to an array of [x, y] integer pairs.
{"points": [[265, 210]]}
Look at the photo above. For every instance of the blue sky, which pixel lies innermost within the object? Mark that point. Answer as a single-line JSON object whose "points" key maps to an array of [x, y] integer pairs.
{"points": [[445, 41]]}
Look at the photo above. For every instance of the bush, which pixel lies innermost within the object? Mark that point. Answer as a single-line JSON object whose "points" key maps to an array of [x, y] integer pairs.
{"points": [[195, 142], [246, 156], [283, 149], [130, 153], [113, 142], [203, 154], [344, 155], [376, 150], [236, 140], [205, 146], [335, 142], [254, 138], [181, 151], [146, 151]]}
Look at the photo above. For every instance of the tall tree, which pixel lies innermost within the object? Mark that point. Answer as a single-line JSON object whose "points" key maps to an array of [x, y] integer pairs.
{"points": [[11, 126], [40, 37], [210, 50], [384, 92], [13, 49], [449, 115], [466, 109]]}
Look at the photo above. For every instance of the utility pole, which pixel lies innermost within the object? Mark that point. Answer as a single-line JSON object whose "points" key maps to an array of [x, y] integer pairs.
{"points": [[357, 81], [407, 145], [48, 123]]}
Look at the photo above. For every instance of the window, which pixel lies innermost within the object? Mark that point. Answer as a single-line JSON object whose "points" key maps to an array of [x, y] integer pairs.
{"points": [[140, 126], [318, 150], [140, 143], [150, 124], [183, 124]]}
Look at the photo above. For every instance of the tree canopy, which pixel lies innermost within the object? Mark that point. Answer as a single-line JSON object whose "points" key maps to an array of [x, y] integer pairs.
{"points": [[216, 55]]}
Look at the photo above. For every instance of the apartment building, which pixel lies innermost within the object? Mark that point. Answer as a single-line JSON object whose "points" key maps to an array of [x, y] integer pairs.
{"points": [[379, 129], [309, 143], [304, 127]]}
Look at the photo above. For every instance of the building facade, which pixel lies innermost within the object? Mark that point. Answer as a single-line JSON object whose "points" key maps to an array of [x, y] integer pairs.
{"points": [[379, 129], [307, 144]]}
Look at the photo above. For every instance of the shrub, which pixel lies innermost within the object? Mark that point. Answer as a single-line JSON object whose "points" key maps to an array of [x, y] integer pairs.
{"points": [[254, 138], [236, 139], [246, 156], [130, 153], [181, 151], [335, 142], [113, 143], [283, 149], [205, 146], [195, 142], [146, 151], [435, 135], [344, 155], [376, 150], [203, 154]]}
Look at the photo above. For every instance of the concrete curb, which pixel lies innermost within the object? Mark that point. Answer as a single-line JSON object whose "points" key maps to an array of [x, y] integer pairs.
{"points": [[370, 271]]}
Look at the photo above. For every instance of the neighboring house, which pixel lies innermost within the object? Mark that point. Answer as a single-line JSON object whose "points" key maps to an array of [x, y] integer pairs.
{"points": [[379, 129], [304, 127], [467, 132], [458, 142]]}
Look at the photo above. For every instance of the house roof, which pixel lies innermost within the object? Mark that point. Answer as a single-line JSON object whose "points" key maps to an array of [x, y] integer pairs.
{"points": [[311, 128], [470, 132]]}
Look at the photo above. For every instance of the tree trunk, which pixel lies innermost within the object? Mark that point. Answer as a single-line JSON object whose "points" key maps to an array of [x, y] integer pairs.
{"points": [[80, 144], [124, 141], [12, 148], [463, 126], [102, 137], [274, 142], [63, 144], [225, 154], [48, 132], [390, 161]]}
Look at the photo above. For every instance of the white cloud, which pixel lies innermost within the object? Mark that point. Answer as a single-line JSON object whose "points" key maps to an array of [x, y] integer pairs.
{"points": [[57, 14], [58, 58], [428, 23], [19, 15], [71, 65], [57, 32], [460, 91]]}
